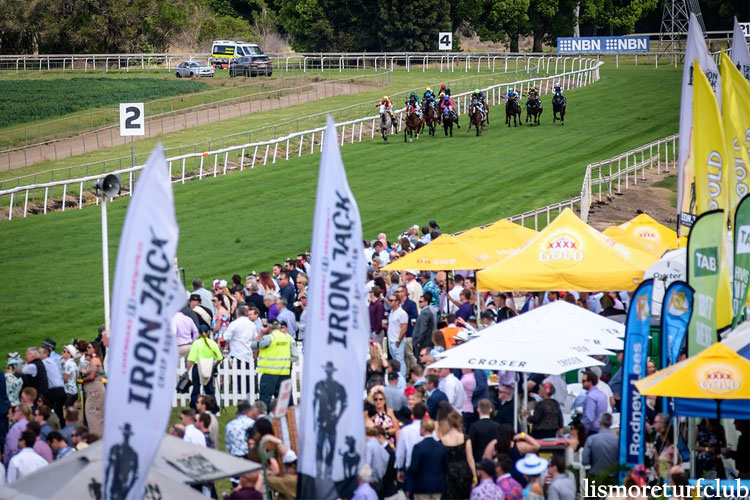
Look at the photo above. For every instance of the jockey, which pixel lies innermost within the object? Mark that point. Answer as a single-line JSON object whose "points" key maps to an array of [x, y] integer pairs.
{"points": [[413, 100], [429, 96], [511, 94], [479, 96], [557, 90], [445, 90], [388, 107]]}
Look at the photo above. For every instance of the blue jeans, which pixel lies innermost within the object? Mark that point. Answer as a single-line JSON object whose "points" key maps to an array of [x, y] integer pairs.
{"points": [[399, 353], [196, 390]]}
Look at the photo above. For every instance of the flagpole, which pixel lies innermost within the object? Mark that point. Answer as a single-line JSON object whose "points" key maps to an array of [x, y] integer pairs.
{"points": [[105, 262]]}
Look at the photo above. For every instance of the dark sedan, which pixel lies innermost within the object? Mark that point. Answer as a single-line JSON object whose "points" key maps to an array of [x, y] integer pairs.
{"points": [[251, 66]]}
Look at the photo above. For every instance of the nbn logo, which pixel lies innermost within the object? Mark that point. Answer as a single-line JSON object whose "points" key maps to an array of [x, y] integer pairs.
{"points": [[603, 44]]}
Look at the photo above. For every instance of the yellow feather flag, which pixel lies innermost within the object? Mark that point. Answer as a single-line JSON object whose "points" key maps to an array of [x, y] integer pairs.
{"points": [[708, 147], [736, 120]]}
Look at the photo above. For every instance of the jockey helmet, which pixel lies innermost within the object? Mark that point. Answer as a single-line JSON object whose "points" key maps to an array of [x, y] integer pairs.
{"points": [[476, 91], [385, 97], [428, 89], [442, 86], [557, 84]]}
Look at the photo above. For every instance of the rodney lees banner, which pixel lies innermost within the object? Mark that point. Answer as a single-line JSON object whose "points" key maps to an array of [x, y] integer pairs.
{"points": [[142, 351], [740, 53], [602, 44], [632, 442], [741, 258], [696, 49], [332, 425], [703, 262]]}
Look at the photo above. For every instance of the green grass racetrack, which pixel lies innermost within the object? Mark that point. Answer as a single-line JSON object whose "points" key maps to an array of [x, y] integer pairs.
{"points": [[51, 264]]}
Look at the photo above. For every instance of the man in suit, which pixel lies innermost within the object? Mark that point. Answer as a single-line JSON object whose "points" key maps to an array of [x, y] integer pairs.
{"points": [[483, 430], [505, 408], [429, 465], [434, 395]]}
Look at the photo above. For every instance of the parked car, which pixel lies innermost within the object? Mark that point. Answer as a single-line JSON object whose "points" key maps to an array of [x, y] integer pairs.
{"points": [[251, 66], [189, 69], [226, 52]]}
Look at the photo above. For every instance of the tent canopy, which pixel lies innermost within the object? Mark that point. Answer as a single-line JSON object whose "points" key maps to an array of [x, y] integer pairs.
{"points": [[715, 373], [568, 254], [496, 241], [444, 253], [631, 241], [645, 227]]}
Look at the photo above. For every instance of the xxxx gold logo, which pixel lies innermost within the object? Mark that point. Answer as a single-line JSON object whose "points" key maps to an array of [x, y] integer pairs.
{"points": [[648, 233], [562, 249], [719, 381], [642, 307]]}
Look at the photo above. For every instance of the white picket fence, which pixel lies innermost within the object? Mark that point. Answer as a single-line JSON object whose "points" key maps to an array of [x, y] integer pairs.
{"points": [[231, 383], [220, 161]]}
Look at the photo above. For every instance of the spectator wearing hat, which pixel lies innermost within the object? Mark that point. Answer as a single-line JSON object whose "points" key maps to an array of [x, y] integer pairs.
{"points": [[486, 489], [206, 296], [413, 288], [13, 379], [185, 329], [277, 352], [70, 374], [532, 466], [561, 487], [204, 314]]}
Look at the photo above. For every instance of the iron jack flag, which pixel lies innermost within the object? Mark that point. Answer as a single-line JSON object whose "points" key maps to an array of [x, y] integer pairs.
{"points": [[142, 351], [331, 414], [740, 54]]}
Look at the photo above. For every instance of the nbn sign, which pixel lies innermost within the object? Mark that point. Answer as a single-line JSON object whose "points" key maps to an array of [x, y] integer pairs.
{"points": [[602, 44]]}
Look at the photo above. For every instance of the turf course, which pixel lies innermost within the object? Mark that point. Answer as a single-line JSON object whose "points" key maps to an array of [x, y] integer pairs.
{"points": [[51, 264]]}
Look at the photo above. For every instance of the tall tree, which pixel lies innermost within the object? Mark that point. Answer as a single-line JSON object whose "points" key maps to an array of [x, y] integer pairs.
{"points": [[549, 19], [502, 21], [615, 15]]}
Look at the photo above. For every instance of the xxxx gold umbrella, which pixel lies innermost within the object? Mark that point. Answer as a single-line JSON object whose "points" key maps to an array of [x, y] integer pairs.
{"points": [[716, 373], [630, 240], [444, 253], [497, 241], [645, 227]]}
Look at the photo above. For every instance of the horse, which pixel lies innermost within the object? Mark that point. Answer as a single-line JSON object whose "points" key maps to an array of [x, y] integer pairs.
{"points": [[558, 106], [449, 118], [475, 117], [413, 123], [512, 108], [431, 117], [533, 110], [385, 123]]}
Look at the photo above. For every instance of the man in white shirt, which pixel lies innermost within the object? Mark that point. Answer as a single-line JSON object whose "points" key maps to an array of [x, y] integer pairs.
{"points": [[240, 333], [27, 460], [452, 388], [413, 288], [398, 322], [408, 439], [454, 295], [192, 434]]}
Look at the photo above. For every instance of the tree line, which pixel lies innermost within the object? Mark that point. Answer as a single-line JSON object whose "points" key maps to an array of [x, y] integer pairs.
{"points": [[117, 26]]}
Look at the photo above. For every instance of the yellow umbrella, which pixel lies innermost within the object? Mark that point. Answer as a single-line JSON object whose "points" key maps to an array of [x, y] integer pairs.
{"points": [[444, 253], [568, 254], [644, 226], [496, 241], [631, 241], [717, 372]]}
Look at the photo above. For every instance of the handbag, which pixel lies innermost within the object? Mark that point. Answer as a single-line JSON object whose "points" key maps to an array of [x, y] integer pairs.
{"points": [[183, 383], [205, 369]]}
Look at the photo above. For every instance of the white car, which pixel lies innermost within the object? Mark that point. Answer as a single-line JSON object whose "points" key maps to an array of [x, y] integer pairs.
{"points": [[189, 69]]}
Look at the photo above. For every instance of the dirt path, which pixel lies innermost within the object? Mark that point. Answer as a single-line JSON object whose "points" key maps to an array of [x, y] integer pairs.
{"points": [[110, 136], [658, 202]]}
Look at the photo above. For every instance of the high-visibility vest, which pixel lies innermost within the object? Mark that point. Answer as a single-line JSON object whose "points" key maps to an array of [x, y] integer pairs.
{"points": [[449, 334], [276, 359]]}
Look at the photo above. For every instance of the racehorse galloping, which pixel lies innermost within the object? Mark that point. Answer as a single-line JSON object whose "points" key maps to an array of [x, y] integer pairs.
{"points": [[413, 124], [449, 118], [513, 109], [533, 110], [475, 118], [558, 106], [431, 117], [385, 123]]}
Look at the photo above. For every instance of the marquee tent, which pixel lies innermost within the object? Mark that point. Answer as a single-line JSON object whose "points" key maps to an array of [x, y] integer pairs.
{"points": [[632, 241], [496, 241], [644, 226], [568, 254], [444, 253]]}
